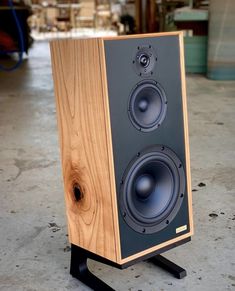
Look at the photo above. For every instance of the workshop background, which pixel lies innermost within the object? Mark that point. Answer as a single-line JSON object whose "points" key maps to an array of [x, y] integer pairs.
{"points": [[34, 247]]}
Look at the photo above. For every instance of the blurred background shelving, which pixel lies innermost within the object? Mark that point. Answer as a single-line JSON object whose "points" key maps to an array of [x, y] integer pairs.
{"points": [[202, 22]]}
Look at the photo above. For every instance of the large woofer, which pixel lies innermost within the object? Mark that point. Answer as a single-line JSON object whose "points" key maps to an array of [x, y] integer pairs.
{"points": [[147, 105], [152, 189]]}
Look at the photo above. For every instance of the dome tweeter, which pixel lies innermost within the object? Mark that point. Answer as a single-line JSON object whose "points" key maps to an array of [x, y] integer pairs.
{"points": [[144, 60]]}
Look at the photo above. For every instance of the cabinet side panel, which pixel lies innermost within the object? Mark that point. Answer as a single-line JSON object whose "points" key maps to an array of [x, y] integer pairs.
{"points": [[186, 132], [83, 142]]}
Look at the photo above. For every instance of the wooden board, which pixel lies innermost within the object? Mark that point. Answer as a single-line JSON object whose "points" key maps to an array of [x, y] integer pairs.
{"points": [[85, 146], [186, 132]]}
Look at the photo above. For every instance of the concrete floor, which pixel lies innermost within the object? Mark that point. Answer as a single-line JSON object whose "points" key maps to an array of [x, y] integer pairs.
{"points": [[34, 256]]}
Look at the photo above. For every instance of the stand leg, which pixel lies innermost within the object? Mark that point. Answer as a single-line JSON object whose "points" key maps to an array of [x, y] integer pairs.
{"points": [[80, 271], [169, 266]]}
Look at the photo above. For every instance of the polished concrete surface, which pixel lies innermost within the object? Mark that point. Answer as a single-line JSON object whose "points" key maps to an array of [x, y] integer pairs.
{"points": [[34, 248]]}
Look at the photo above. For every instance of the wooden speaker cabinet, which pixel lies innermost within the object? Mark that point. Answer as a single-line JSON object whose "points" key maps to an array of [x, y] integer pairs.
{"points": [[122, 118]]}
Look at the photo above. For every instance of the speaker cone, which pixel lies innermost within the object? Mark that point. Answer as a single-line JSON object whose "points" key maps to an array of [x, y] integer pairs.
{"points": [[152, 190], [147, 105]]}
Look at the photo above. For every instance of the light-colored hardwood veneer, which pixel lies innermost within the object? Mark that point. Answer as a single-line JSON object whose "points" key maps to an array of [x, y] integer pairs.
{"points": [[84, 139]]}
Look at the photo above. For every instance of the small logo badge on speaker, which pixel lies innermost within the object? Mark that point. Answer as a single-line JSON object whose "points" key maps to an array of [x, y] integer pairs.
{"points": [[181, 228]]}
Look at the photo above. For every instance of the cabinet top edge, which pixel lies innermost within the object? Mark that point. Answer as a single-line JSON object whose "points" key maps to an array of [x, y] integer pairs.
{"points": [[120, 37]]}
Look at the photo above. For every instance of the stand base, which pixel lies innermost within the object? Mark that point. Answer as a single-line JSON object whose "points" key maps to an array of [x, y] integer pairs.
{"points": [[80, 271], [169, 266]]}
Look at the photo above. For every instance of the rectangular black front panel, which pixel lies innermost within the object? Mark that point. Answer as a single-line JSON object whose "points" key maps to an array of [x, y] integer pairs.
{"points": [[127, 140]]}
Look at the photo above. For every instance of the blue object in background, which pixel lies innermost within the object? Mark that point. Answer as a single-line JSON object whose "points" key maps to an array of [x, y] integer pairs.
{"points": [[21, 40]]}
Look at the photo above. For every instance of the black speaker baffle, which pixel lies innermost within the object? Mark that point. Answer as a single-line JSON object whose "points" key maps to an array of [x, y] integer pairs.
{"points": [[152, 189], [144, 60], [147, 105]]}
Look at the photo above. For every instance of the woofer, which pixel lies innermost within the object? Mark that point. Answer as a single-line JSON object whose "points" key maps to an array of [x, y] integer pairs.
{"points": [[147, 105], [152, 189]]}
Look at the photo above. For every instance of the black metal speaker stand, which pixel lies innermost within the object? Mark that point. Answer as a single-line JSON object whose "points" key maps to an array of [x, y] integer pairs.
{"points": [[80, 271], [169, 266]]}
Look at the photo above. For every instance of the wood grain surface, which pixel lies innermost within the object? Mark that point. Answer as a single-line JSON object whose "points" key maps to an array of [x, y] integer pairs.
{"points": [[186, 132], [84, 140]]}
